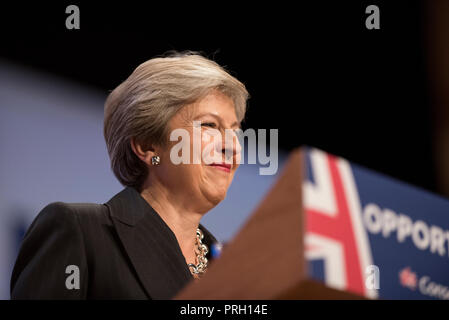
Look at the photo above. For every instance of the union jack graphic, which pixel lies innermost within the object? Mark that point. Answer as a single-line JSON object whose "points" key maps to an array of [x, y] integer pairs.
{"points": [[335, 233]]}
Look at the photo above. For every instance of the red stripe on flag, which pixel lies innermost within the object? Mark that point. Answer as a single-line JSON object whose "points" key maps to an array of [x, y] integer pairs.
{"points": [[341, 229]]}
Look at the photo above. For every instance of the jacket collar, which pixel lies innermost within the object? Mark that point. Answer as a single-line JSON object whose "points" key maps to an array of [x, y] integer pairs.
{"points": [[150, 244], [127, 207]]}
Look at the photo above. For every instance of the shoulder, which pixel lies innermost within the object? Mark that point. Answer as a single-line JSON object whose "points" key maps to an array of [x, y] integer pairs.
{"points": [[62, 214], [64, 210], [53, 241]]}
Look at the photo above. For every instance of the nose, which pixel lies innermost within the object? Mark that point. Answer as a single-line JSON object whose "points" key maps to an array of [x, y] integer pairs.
{"points": [[230, 146]]}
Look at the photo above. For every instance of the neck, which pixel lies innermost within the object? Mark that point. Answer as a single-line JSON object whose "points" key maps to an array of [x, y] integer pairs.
{"points": [[181, 219]]}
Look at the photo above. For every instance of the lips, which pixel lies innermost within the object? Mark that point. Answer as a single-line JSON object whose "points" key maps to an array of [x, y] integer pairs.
{"points": [[222, 166]]}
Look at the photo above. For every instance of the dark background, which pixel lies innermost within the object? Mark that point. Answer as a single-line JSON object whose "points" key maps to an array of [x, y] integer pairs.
{"points": [[312, 68]]}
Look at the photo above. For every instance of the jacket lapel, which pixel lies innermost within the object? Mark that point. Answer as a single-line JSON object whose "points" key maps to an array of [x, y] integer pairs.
{"points": [[150, 244]]}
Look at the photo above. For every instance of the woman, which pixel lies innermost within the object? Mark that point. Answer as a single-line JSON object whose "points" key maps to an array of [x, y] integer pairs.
{"points": [[147, 241]]}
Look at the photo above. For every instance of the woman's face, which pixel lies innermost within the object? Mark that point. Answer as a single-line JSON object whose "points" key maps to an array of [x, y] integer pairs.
{"points": [[212, 163]]}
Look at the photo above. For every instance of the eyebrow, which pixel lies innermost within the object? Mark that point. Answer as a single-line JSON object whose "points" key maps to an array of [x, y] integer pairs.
{"points": [[235, 124]]}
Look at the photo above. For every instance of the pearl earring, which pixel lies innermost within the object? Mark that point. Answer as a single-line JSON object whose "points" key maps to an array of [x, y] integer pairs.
{"points": [[155, 160]]}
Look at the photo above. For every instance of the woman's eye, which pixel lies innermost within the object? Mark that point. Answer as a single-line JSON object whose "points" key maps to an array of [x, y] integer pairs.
{"points": [[208, 124]]}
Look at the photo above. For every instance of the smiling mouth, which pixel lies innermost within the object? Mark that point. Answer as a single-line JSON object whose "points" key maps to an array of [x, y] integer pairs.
{"points": [[222, 166]]}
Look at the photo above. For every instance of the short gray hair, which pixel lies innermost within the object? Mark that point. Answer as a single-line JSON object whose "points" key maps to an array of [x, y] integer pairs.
{"points": [[142, 105]]}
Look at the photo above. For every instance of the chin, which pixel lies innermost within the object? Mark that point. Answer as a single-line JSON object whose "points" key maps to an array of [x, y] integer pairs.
{"points": [[216, 198]]}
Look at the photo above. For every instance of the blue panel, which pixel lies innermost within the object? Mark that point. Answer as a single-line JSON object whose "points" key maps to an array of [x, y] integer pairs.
{"points": [[316, 269]]}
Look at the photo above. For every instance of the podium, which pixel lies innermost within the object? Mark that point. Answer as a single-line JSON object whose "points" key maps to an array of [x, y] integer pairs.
{"points": [[266, 259], [331, 229]]}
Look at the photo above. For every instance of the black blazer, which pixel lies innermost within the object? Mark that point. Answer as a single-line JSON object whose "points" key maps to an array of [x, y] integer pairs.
{"points": [[123, 250]]}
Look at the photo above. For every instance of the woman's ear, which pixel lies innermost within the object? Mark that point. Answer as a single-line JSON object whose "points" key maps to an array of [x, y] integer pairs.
{"points": [[139, 150]]}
